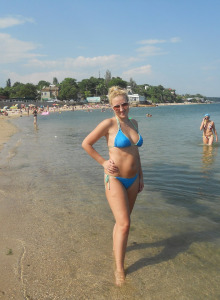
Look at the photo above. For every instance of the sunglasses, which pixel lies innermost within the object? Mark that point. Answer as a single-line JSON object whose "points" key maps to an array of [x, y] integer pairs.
{"points": [[123, 105]]}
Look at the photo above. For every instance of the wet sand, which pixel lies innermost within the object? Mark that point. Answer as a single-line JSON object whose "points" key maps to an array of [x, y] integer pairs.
{"points": [[7, 129], [8, 257]]}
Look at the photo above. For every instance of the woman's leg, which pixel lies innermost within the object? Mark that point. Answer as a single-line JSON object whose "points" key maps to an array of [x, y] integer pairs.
{"points": [[205, 140], [119, 204], [132, 195], [211, 139]]}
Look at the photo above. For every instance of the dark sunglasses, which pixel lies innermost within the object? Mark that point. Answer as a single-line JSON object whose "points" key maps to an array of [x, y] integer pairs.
{"points": [[124, 105]]}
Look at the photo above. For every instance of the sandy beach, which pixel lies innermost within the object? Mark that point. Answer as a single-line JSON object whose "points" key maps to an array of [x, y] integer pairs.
{"points": [[6, 130], [8, 257]]}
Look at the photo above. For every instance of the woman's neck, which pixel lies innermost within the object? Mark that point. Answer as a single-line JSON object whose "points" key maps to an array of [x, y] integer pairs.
{"points": [[124, 120]]}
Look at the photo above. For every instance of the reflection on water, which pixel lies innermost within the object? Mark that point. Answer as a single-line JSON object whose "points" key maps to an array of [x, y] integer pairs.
{"points": [[208, 156], [36, 127]]}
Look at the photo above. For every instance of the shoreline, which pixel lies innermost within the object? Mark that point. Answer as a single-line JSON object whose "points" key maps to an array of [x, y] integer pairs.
{"points": [[7, 130]]}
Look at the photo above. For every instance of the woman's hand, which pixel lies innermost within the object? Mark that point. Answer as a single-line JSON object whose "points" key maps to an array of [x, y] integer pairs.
{"points": [[110, 166]]}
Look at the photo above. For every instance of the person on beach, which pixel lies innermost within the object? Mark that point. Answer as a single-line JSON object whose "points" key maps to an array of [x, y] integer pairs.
{"points": [[209, 130], [35, 115], [123, 175]]}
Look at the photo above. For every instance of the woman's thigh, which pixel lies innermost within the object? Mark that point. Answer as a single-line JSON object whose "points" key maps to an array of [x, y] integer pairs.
{"points": [[205, 140], [211, 139], [118, 200], [132, 193]]}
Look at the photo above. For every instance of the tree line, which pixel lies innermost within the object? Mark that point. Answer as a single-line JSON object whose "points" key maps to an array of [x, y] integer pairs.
{"points": [[69, 89]]}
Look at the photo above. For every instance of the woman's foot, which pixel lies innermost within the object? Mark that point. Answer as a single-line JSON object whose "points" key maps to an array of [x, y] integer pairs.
{"points": [[119, 278]]}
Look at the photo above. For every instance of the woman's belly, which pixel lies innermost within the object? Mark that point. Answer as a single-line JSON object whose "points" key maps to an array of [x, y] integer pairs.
{"points": [[126, 161]]}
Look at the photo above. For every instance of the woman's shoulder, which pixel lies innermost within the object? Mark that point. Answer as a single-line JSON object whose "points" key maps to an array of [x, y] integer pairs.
{"points": [[107, 123]]}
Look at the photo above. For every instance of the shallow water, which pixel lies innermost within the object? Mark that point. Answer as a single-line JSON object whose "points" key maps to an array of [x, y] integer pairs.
{"points": [[173, 249]]}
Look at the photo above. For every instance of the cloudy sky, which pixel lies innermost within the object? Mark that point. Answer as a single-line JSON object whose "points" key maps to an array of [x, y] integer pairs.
{"points": [[169, 42]]}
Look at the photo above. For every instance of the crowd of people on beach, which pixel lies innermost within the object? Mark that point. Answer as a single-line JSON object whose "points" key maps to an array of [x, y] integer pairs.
{"points": [[28, 109]]}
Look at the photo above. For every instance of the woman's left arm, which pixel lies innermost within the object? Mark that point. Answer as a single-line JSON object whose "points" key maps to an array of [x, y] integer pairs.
{"points": [[141, 178], [215, 131]]}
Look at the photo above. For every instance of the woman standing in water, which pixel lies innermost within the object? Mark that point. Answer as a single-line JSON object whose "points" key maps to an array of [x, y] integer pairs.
{"points": [[122, 171], [35, 115], [209, 130]]}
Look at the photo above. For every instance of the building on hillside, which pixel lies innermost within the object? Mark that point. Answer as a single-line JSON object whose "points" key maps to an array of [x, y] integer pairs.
{"points": [[135, 98], [49, 92]]}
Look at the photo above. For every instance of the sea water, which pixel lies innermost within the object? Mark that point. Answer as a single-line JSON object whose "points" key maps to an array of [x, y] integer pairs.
{"points": [[173, 247]]}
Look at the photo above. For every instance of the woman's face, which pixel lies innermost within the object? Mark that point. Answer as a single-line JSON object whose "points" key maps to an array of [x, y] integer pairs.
{"points": [[120, 106]]}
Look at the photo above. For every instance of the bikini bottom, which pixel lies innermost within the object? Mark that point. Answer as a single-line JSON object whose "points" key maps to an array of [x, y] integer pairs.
{"points": [[127, 182], [208, 136]]}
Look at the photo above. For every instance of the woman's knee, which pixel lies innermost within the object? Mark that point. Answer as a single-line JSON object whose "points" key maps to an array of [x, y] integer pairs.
{"points": [[124, 227]]}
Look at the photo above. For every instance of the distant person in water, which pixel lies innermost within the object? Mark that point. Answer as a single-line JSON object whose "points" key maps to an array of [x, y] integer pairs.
{"points": [[209, 130], [35, 115]]}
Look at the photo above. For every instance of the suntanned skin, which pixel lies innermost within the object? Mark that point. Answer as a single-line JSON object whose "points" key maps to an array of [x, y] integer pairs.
{"points": [[209, 130], [123, 162]]}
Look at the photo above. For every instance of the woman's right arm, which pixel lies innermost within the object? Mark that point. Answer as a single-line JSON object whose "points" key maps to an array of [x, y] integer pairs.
{"points": [[202, 125], [101, 130]]}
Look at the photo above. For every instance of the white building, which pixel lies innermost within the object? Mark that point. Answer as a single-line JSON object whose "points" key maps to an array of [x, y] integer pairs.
{"points": [[49, 92], [134, 98]]}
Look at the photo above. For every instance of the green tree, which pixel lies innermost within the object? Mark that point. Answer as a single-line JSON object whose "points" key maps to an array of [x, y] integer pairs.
{"points": [[155, 94], [87, 94], [118, 82], [55, 81], [133, 85], [29, 91], [108, 77], [101, 88], [42, 83], [15, 89], [94, 85], [8, 83], [68, 89], [5, 92]]}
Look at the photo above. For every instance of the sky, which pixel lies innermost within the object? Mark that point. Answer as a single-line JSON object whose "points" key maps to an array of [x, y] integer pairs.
{"points": [[171, 43]]}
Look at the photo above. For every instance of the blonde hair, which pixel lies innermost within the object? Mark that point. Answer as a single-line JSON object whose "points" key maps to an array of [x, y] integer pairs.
{"points": [[115, 91]]}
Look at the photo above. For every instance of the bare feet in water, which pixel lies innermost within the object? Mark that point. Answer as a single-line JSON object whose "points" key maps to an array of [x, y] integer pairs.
{"points": [[119, 278]]}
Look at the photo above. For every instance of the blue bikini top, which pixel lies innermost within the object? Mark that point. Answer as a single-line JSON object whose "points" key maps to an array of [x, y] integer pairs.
{"points": [[122, 141]]}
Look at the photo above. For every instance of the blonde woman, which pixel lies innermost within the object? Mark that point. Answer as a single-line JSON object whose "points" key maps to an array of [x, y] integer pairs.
{"points": [[123, 175], [209, 130]]}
